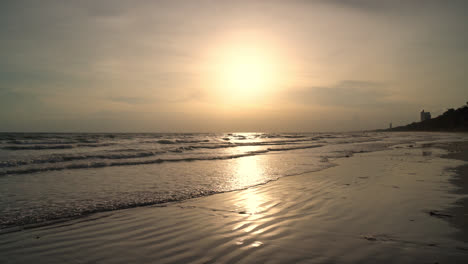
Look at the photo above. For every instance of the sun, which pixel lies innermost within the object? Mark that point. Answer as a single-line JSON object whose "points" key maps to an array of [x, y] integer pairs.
{"points": [[244, 70]]}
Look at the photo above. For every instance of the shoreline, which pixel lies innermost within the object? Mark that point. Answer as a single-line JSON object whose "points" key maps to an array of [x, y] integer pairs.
{"points": [[372, 207], [459, 211]]}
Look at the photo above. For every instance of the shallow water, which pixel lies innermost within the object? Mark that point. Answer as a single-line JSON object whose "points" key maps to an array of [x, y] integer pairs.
{"points": [[46, 177], [372, 208]]}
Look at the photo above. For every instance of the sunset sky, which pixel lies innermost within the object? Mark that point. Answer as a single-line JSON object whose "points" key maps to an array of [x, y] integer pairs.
{"points": [[221, 66]]}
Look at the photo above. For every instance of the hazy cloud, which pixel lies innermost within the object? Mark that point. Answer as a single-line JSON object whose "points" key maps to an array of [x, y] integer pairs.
{"points": [[347, 93], [64, 61], [399, 6], [131, 100]]}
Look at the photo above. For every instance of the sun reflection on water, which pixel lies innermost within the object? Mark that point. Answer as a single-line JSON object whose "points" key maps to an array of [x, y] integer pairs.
{"points": [[252, 203], [250, 171], [247, 170]]}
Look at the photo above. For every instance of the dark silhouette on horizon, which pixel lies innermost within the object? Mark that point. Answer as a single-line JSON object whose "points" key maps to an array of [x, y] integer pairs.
{"points": [[453, 120]]}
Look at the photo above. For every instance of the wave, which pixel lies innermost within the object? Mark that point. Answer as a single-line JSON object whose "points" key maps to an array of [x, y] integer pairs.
{"points": [[95, 145], [230, 144], [251, 144], [134, 152], [178, 141], [62, 146], [67, 158], [166, 141], [142, 162], [38, 147], [20, 222], [294, 148], [48, 142], [112, 164], [294, 136]]}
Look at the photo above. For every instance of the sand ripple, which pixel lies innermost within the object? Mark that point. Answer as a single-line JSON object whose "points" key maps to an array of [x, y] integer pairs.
{"points": [[347, 214]]}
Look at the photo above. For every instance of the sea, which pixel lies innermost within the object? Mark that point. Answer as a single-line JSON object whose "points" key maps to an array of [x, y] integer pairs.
{"points": [[50, 177]]}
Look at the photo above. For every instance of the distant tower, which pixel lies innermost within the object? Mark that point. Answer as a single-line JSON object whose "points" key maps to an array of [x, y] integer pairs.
{"points": [[425, 115], [390, 125]]}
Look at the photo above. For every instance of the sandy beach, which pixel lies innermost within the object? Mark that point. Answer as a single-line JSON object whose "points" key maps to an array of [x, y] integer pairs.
{"points": [[395, 206], [460, 180], [252, 131]]}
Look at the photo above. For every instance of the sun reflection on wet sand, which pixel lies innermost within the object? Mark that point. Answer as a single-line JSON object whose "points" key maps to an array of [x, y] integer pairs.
{"points": [[250, 170], [251, 202]]}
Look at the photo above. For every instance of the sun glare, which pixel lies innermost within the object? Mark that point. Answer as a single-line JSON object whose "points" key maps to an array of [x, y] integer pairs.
{"points": [[247, 72], [243, 70]]}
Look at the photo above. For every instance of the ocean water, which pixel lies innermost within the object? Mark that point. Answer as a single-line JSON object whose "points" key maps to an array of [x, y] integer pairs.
{"points": [[49, 177]]}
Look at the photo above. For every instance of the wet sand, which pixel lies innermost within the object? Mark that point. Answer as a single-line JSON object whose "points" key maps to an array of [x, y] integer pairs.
{"points": [[459, 211], [393, 206]]}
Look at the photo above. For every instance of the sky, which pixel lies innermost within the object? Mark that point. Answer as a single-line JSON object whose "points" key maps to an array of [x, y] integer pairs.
{"points": [[229, 66]]}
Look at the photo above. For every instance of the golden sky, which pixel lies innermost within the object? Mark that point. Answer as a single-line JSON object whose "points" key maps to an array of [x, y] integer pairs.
{"points": [[211, 66]]}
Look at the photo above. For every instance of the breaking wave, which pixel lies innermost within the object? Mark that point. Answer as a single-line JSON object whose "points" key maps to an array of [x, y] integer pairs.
{"points": [[141, 162]]}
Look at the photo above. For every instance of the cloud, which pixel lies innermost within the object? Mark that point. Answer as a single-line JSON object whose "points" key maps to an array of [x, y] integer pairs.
{"points": [[131, 100], [347, 93], [183, 96], [385, 6]]}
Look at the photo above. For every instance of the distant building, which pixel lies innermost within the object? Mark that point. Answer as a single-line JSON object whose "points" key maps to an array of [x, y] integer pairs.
{"points": [[390, 125], [425, 115]]}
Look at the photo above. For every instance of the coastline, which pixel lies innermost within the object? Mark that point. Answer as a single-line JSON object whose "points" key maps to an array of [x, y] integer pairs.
{"points": [[459, 211], [372, 207]]}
